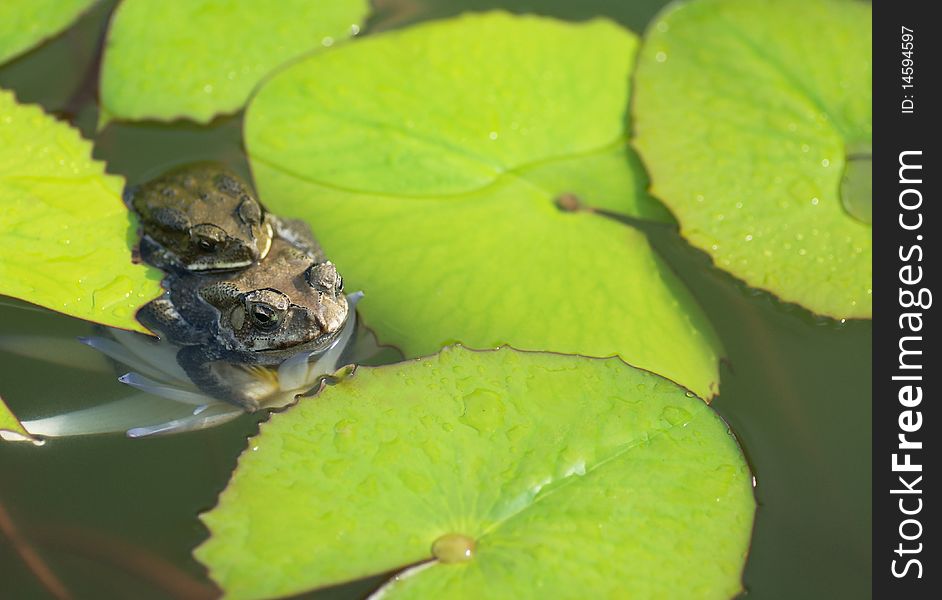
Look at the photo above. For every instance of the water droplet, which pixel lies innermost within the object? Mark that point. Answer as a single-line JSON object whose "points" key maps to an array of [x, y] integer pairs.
{"points": [[660, 57], [576, 468], [483, 410], [327, 41], [492, 135], [354, 29], [208, 88], [675, 415], [453, 548]]}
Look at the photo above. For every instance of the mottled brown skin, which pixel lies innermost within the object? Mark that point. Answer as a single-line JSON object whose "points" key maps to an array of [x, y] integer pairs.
{"points": [[282, 305], [204, 218], [229, 265], [277, 307]]}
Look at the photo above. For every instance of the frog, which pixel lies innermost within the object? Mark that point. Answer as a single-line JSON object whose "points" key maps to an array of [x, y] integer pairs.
{"points": [[255, 319], [204, 218]]}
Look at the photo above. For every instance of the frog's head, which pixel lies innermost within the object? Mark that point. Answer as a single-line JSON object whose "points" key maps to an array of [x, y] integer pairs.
{"points": [[289, 305], [205, 217]]}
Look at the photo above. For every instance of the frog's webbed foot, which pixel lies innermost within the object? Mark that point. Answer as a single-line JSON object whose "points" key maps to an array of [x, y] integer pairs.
{"points": [[297, 233], [216, 376]]}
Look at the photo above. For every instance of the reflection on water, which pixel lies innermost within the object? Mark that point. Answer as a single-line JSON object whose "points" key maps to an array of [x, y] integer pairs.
{"points": [[168, 402]]}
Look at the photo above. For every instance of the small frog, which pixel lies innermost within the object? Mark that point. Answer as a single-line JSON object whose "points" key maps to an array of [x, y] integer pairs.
{"points": [[286, 304], [204, 218]]}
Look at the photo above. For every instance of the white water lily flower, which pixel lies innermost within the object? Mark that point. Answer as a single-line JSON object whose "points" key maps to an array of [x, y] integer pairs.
{"points": [[168, 402]]}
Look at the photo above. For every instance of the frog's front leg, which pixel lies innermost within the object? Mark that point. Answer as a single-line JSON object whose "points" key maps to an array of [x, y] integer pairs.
{"points": [[163, 318], [156, 255], [297, 233], [208, 368]]}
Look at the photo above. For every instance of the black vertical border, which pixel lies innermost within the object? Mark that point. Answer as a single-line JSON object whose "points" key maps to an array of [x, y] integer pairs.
{"points": [[896, 132]]}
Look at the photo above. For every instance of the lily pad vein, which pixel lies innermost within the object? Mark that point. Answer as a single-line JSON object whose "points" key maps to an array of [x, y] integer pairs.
{"points": [[515, 173], [790, 78], [566, 481]]}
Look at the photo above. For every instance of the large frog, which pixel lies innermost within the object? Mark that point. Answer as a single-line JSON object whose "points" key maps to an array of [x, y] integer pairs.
{"points": [[286, 304], [204, 218]]}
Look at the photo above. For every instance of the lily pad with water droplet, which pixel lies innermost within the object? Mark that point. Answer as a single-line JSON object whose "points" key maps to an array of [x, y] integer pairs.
{"points": [[522, 474], [748, 124], [433, 184], [26, 23], [200, 58], [65, 235]]}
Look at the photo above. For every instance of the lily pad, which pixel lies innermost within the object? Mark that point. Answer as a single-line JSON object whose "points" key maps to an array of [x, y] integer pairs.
{"points": [[434, 182], [515, 474], [26, 23], [11, 429], [199, 58], [746, 123], [65, 235]]}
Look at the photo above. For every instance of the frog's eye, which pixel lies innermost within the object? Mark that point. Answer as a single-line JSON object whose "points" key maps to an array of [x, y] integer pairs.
{"points": [[206, 244], [207, 237], [266, 308], [250, 211], [265, 316]]}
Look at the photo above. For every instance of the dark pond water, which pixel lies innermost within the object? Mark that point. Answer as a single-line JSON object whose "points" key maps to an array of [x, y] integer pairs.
{"points": [[115, 518]]}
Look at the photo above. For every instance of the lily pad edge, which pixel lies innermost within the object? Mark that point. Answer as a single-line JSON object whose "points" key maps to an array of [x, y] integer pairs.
{"points": [[349, 372]]}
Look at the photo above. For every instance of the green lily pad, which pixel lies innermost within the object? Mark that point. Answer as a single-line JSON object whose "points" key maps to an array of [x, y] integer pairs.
{"points": [[10, 428], [433, 184], [520, 474], [199, 58], [26, 23], [65, 235], [745, 121]]}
